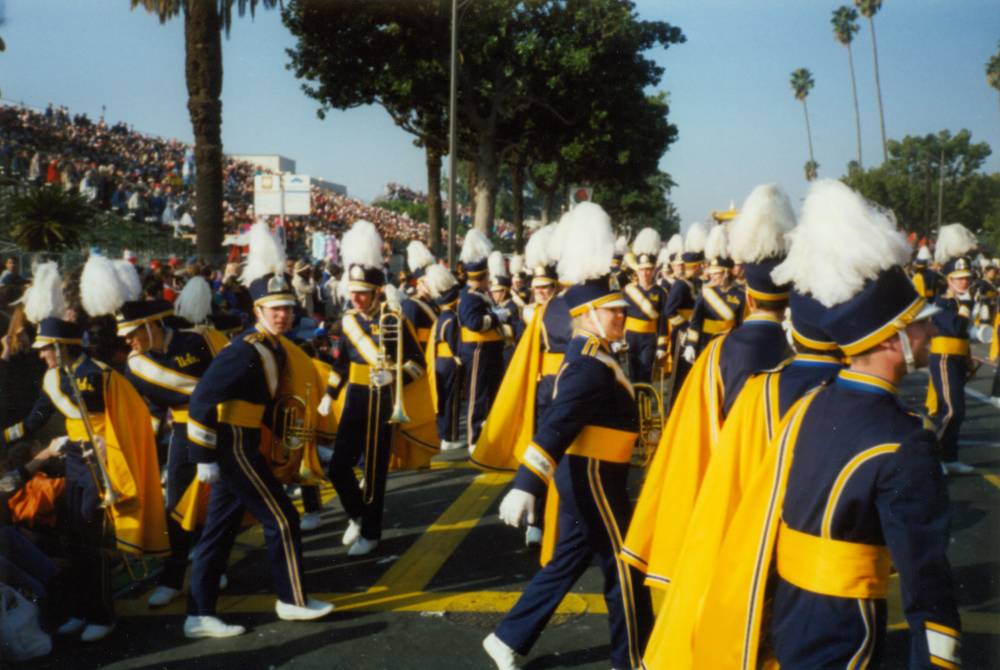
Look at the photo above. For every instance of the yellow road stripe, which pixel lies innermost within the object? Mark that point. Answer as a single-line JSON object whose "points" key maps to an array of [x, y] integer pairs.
{"points": [[415, 569], [993, 479], [497, 602]]}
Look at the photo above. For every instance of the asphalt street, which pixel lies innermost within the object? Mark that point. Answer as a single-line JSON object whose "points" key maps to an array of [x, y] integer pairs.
{"points": [[447, 570]]}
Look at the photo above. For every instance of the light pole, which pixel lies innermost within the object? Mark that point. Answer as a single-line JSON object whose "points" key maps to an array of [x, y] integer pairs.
{"points": [[452, 131]]}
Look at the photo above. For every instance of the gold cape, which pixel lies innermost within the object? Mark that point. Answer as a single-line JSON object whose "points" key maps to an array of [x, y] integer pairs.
{"points": [[140, 524], [749, 429], [510, 425], [675, 474]]}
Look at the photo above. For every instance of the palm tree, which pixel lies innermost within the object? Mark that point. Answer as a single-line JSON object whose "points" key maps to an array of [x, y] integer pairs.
{"points": [[868, 9], [845, 26], [802, 82], [48, 219], [204, 21], [993, 70]]}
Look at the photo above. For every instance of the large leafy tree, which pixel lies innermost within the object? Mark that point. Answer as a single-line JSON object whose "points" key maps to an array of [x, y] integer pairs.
{"points": [[909, 182], [845, 26], [868, 9], [993, 70], [204, 21], [802, 83], [522, 65]]}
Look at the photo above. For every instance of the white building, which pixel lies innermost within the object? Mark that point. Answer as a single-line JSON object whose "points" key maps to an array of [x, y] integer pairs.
{"points": [[267, 162]]}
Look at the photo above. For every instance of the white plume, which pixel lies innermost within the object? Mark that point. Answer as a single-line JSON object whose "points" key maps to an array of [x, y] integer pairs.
{"points": [[496, 265], [694, 241], [646, 242], [536, 252], [266, 256], [393, 298], [717, 244], [438, 280], [418, 256], [675, 245], [516, 264], [954, 240], [841, 242], [101, 291], [195, 301], [759, 231], [621, 245], [589, 245], [531, 225], [475, 247], [344, 286], [362, 245], [664, 256], [44, 298], [556, 244], [923, 253], [129, 278]]}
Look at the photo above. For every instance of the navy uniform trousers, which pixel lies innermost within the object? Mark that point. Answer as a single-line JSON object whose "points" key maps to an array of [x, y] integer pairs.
{"points": [[89, 570], [641, 356], [948, 376], [180, 472], [483, 363], [449, 392], [364, 431], [594, 512], [246, 484]]}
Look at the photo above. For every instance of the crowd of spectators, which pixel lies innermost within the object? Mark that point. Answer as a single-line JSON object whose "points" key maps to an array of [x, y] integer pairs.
{"points": [[150, 180]]}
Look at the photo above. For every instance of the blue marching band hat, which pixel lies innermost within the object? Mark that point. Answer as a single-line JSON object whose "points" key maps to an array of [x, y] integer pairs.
{"points": [[757, 240], [499, 278], [717, 249], [44, 305], [806, 320], [443, 286], [361, 250], [585, 261], [954, 244], [476, 249], [847, 255], [418, 258], [540, 266], [693, 252], [646, 248], [264, 274]]}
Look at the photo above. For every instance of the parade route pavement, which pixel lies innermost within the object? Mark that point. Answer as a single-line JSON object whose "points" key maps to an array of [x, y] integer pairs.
{"points": [[446, 571]]}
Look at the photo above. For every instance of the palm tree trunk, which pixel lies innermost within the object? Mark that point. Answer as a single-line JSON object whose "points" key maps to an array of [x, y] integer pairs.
{"points": [[434, 211], [203, 72], [878, 90], [517, 191], [857, 112], [809, 135]]}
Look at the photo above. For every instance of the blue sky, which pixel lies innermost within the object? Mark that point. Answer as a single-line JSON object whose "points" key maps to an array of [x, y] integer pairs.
{"points": [[730, 98]]}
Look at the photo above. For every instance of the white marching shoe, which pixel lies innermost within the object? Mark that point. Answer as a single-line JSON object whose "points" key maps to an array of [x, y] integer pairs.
{"points": [[957, 468], [352, 533], [314, 609], [310, 521], [533, 537], [95, 632], [71, 626], [210, 626], [501, 654], [223, 582], [162, 595], [362, 547]]}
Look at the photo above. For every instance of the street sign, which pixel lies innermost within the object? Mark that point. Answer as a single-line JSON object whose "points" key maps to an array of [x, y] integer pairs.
{"points": [[268, 190]]}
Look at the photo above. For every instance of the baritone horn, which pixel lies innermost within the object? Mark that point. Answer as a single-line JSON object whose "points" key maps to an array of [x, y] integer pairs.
{"points": [[651, 419], [390, 333], [294, 426]]}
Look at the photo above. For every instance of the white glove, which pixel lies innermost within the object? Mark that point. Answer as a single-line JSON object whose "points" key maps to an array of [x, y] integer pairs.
{"points": [[517, 505], [502, 314], [689, 354], [208, 473], [660, 354], [325, 404], [619, 346], [984, 312]]}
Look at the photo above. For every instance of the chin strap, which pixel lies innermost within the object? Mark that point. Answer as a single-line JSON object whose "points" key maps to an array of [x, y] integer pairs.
{"points": [[904, 342], [592, 313], [263, 322]]}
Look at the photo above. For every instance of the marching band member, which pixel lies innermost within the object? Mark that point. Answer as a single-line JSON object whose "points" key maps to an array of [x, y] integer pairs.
{"points": [[950, 356], [164, 367], [526, 390], [719, 307], [226, 413], [442, 355], [664, 272], [851, 484], [500, 291], [621, 248], [360, 373], [520, 291], [645, 331], [679, 306], [580, 452], [418, 307], [194, 305], [112, 477], [691, 434], [924, 279], [481, 349]]}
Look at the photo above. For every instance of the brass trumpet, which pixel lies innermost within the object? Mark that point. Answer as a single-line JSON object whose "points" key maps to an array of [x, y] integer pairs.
{"points": [[651, 420], [293, 425], [390, 327]]}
